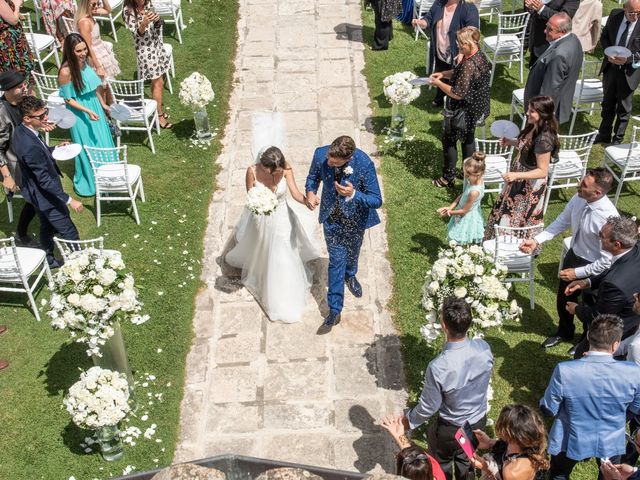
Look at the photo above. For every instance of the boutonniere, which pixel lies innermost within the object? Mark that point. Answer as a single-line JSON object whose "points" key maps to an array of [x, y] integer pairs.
{"points": [[348, 170]]}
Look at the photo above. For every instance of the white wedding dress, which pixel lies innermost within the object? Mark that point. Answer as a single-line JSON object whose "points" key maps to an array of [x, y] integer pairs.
{"points": [[272, 251]]}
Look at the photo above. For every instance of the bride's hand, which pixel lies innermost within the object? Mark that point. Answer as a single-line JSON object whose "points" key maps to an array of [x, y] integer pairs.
{"points": [[312, 201]]}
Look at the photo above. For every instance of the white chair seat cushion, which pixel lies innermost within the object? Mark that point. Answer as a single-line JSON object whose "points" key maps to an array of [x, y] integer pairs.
{"points": [[569, 165], [618, 155], [509, 253], [112, 176], [150, 107], [41, 40], [168, 48], [496, 165], [508, 44], [592, 91], [30, 259]]}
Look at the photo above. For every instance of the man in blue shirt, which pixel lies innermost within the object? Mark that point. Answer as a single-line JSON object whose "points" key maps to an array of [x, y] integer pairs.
{"points": [[589, 398], [455, 386]]}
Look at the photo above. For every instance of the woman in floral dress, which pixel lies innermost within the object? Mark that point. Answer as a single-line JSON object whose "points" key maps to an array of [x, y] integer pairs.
{"points": [[521, 201], [14, 49], [153, 61], [52, 10]]}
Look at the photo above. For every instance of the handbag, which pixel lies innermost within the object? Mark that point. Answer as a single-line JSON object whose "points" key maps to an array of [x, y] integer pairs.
{"points": [[454, 120]]}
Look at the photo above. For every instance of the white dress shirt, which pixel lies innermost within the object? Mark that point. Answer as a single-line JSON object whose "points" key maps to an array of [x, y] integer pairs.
{"points": [[586, 220], [621, 28]]}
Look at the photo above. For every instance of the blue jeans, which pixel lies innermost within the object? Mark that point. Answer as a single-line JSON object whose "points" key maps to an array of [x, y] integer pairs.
{"points": [[343, 243]]}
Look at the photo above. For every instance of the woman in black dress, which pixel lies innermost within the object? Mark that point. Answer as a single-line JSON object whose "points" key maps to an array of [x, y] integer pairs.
{"points": [[468, 91]]}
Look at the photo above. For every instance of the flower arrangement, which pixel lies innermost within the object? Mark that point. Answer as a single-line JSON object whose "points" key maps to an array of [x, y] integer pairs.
{"points": [[99, 399], [398, 90], [470, 273], [196, 91], [261, 200], [91, 291]]}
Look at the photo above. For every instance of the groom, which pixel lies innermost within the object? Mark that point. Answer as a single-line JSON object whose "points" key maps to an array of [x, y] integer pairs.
{"points": [[349, 198]]}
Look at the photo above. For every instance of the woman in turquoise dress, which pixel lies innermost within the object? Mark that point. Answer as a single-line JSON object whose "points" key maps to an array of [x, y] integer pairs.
{"points": [[81, 89], [467, 224]]}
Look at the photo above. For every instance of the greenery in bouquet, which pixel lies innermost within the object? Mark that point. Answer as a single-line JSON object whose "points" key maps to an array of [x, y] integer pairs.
{"points": [[196, 91], [99, 399], [471, 273], [92, 291], [261, 200], [398, 90]]}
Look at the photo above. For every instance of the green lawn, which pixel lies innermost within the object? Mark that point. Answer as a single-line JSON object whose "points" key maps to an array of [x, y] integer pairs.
{"points": [[415, 231], [163, 253]]}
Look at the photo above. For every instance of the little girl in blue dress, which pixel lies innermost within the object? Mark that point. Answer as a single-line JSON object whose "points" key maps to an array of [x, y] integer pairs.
{"points": [[467, 224]]}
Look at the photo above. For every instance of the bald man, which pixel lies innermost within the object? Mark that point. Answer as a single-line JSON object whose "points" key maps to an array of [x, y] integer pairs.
{"points": [[620, 79]]}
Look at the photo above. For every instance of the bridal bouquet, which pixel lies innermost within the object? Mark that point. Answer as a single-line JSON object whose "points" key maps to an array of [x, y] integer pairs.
{"points": [[398, 90], [196, 91], [99, 399], [91, 291], [470, 273], [261, 200]]}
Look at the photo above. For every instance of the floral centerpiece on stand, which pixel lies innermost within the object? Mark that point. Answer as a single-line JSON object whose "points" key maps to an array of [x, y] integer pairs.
{"points": [[261, 200], [99, 401], [473, 274], [400, 92], [196, 93]]}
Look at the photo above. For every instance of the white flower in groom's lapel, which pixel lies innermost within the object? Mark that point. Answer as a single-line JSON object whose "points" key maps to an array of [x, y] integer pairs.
{"points": [[348, 170]]}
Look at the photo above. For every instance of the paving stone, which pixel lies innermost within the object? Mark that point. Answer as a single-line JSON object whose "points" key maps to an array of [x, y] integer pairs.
{"points": [[354, 373], [308, 449], [336, 103], [234, 384], [297, 416], [364, 415], [334, 128], [238, 347], [233, 418], [236, 445], [295, 341], [300, 121], [306, 380], [296, 36], [296, 8], [239, 318], [295, 82], [335, 73], [356, 327], [366, 453]]}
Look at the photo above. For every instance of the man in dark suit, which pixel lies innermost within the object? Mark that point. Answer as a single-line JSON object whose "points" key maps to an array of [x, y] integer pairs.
{"points": [[557, 70], [41, 184], [616, 285], [540, 15], [620, 79]]}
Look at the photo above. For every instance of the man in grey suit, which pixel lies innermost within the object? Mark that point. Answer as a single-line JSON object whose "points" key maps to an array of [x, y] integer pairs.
{"points": [[557, 70]]}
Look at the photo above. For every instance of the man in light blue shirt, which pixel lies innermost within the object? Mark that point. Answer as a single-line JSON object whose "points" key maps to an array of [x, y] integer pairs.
{"points": [[589, 398], [455, 386]]}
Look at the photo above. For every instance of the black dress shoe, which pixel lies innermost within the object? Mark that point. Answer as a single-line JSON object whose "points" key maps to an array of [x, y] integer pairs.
{"points": [[572, 350], [56, 263], [354, 286], [25, 241], [602, 139], [552, 341], [332, 319], [616, 141]]}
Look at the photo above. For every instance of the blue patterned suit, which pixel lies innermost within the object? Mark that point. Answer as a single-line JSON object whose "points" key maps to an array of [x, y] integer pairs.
{"points": [[344, 220]]}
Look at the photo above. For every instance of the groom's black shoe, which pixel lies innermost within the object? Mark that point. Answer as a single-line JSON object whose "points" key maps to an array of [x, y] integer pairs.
{"points": [[329, 322], [354, 286]]}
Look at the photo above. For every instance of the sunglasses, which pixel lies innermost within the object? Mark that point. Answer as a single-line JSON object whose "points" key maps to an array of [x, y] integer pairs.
{"points": [[41, 116]]}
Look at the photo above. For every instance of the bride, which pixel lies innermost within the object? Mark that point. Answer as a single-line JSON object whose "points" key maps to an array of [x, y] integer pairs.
{"points": [[272, 250]]}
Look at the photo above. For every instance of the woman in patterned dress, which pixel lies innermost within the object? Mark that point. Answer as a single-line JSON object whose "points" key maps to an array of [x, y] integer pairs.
{"points": [[52, 10], [14, 49], [521, 201], [153, 61]]}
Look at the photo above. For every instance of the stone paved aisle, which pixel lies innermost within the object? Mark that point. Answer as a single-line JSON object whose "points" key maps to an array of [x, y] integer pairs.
{"points": [[280, 391]]}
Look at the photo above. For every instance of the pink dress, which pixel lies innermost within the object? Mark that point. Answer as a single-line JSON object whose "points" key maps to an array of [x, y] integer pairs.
{"points": [[104, 53]]}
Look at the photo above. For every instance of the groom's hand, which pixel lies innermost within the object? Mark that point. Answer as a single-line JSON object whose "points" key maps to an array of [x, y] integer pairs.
{"points": [[312, 201], [344, 190]]}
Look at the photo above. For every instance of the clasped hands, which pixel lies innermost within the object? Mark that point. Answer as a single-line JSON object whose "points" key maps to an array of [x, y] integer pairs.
{"points": [[535, 5]]}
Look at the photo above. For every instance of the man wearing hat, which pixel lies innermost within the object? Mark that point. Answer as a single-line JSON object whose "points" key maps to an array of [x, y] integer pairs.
{"points": [[12, 83]]}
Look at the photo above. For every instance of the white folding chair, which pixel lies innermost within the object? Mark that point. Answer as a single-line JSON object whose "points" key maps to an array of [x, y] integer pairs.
{"points": [[18, 265], [144, 112], [69, 25], [9, 201], [508, 45], [497, 161], [171, 12], [116, 180], [111, 17], [43, 46], [48, 92], [517, 106], [67, 247], [421, 7], [168, 48], [623, 161], [572, 162], [487, 8], [589, 91], [506, 248]]}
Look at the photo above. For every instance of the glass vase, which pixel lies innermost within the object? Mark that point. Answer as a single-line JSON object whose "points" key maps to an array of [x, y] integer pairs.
{"points": [[398, 116], [114, 358], [201, 119], [110, 443]]}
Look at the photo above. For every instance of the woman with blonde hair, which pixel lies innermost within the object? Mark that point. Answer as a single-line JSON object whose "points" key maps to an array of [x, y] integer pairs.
{"points": [[467, 101], [520, 452]]}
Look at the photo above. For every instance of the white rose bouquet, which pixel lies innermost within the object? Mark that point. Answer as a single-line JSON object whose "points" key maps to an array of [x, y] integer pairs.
{"points": [[196, 91], [91, 291], [261, 200], [99, 399], [470, 273], [398, 90]]}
